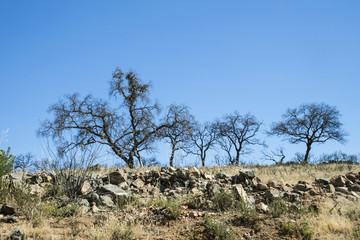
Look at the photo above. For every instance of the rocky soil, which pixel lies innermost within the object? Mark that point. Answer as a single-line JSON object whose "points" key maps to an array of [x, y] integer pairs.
{"points": [[184, 203]]}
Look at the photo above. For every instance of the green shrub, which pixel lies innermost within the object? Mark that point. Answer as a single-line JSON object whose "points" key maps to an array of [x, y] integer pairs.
{"points": [[126, 234], [52, 209], [6, 162], [223, 201], [302, 230], [128, 201], [193, 201], [216, 230], [171, 207]]}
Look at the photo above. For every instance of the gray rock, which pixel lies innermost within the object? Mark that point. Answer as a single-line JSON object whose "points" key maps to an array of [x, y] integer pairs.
{"points": [[240, 192], [272, 193], [114, 190], [221, 175], [7, 210], [248, 173], [86, 188], [352, 176], [117, 178], [17, 234], [303, 187], [107, 200], [138, 183], [355, 187], [291, 197], [261, 186], [323, 181], [262, 207], [194, 172], [355, 194], [338, 181], [342, 190]]}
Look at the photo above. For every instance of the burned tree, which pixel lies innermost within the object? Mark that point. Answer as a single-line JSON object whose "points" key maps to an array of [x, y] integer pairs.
{"points": [[181, 121], [309, 124], [236, 133], [128, 128]]}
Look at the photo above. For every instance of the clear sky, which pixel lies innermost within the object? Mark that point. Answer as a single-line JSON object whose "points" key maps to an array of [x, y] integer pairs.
{"points": [[251, 56]]}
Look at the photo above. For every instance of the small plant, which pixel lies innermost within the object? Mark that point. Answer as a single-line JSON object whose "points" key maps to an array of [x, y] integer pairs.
{"points": [[52, 209], [119, 233], [128, 201], [355, 233], [171, 207], [216, 230], [6, 162], [302, 230], [193, 201], [223, 201]]}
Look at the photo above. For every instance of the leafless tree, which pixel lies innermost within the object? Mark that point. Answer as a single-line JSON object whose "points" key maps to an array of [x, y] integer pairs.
{"points": [[181, 120], [236, 133], [128, 129], [24, 162], [202, 139], [277, 156], [310, 123]]}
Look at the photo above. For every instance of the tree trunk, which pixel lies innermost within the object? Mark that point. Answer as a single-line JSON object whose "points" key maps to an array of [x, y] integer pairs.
{"points": [[203, 156], [306, 158], [172, 155], [237, 157]]}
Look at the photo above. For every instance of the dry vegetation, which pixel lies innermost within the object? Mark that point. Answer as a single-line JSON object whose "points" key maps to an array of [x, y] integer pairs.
{"points": [[186, 218]]}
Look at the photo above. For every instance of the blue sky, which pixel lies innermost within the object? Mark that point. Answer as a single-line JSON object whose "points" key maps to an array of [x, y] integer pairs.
{"points": [[215, 56]]}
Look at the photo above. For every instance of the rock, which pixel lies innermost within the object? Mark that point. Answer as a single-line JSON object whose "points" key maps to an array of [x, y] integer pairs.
{"points": [[124, 185], [342, 190], [7, 210], [183, 174], [116, 178], [36, 190], [323, 181], [287, 188], [95, 209], [16, 176], [338, 181], [221, 175], [34, 179], [331, 188], [107, 200], [17, 234], [272, 193], [86, 188], [273, 184], [261, 186], [93, 197], [355, 187], [138, 183], [352, 176], [248, 173], [355, 194], [194, 172], [291, 197], [84, 202], [114, 190], [208, 176], [262, 207], [303, 187], [240, 192]]}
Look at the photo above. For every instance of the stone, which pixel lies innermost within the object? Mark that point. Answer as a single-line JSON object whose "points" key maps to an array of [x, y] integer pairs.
{"points": [[342, 190], [194, 172], [287, 188], [262, 207], [248, 173], [273, 184], [36, 189], [93, 197], [86, 188], [355, 187], [338, 181], [323, 181], [240, 192], [17, 234], [272, 193], [355, 194], [291, 197], [261, 186], [303, 187], [34, 179], [116, 178], [331, 188], [208, 176], [7, 210], [114, 190], [84, 202], [138, 183], [183, 174], [107, 200], [221, 175], [95, 209], [352, 176]]}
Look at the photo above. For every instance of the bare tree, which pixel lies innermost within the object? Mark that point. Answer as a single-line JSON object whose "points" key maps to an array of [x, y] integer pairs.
{"points": [[181, 120], [24, 162], [202, 139], [277, 156], [310, 123], [127, 129], [236, 133]]}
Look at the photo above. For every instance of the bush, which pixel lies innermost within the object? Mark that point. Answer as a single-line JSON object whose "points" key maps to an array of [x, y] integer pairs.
{"points": [[294, 229], [6, 162], [128, 201], [216, 230]]}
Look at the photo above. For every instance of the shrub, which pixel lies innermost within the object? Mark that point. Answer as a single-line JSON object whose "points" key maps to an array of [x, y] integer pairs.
{"points": [[128, 201], [119, 233], [193, 201], [216, 230], [302, 230], [6, 162]]}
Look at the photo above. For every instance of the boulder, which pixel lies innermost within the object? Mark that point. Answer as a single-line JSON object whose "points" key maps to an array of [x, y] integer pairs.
{"points": [[114, 190], [352, 176], [303, 187], [240, 192], [342, 190], [355, 187], [323, 181], [138, 183], [262, 207], [107, 200], [261, 186], [272, 193], [194, 172], [247, 173], [86, 188], [7, 210], [221, 175], [17, 234], [117, 178], [338, 181]]}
